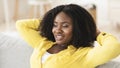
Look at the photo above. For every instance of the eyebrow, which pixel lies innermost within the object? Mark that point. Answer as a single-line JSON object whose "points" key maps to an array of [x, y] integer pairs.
{"points": [[63, 22]]}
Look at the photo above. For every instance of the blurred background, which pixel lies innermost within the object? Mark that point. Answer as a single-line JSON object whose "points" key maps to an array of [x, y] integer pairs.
{"points": [[106, 13]]}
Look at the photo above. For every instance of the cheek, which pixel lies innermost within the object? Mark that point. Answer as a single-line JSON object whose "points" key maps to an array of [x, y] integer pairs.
{"points": [[69, 34]]}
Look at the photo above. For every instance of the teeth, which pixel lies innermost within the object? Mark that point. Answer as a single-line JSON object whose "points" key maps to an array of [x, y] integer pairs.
{"points": [[58, 37]]}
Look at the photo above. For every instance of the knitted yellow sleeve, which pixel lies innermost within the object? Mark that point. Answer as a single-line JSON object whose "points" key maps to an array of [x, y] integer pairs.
{"points": [[28, 30], [109, 48]]}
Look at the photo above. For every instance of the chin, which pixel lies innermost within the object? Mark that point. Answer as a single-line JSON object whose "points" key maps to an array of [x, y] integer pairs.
{"points": [[60, 43]]}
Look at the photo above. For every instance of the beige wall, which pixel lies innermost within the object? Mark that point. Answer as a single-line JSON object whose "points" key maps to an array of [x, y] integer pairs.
{"points": [[23, 9], [104, 12]]}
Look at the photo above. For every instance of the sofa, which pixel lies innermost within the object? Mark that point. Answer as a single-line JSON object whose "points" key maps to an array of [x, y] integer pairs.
{"points": [[15, 53]]}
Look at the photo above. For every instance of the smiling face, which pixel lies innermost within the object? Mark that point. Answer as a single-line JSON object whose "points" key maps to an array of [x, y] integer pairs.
{"points": [[62, 29]]}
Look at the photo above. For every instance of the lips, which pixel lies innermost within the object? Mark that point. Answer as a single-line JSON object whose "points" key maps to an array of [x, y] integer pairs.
{"points": [[59, 37]]}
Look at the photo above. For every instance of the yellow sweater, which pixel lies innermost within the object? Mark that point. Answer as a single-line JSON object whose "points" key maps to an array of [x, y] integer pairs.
{"points": [[88, 57]]}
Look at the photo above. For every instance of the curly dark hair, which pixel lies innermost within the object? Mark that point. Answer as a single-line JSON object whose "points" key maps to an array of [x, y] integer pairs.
{"points": [[84, 27]]}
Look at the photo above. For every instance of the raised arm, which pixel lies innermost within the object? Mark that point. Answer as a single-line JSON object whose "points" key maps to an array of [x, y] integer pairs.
{"points": [[28, 30], [109, 48]]}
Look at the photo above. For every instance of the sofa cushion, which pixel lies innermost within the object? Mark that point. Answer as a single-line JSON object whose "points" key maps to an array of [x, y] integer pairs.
{"points": [[14, 52]]}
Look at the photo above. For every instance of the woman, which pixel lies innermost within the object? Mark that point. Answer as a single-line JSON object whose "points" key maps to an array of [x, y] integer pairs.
{"points": [[64, 39]]}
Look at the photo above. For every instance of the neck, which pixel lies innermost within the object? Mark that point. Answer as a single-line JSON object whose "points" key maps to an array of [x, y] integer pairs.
{"points": [[57, 48]]}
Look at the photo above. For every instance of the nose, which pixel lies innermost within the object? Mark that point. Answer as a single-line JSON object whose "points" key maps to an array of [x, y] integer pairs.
{"points": [[59, 29]]}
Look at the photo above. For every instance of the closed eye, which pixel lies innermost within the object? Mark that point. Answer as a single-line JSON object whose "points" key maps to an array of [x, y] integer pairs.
{"points": [[54, 25], [65, 25]]}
